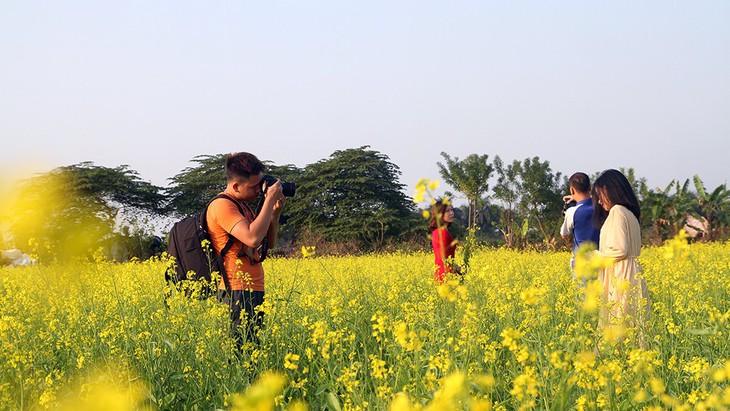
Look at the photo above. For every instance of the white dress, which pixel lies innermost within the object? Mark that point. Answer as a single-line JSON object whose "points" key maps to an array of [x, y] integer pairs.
{"points": [[624, 290]]}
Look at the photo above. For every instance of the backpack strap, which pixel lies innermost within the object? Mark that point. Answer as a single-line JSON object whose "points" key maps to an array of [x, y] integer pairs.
{"points": [[221, 257]]}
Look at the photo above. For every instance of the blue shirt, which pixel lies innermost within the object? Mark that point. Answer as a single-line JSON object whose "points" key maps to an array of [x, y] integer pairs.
{"points": [[578, 222]]}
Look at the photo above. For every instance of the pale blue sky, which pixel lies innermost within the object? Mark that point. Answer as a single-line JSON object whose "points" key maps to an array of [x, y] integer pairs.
{"points": [[154, 83]]}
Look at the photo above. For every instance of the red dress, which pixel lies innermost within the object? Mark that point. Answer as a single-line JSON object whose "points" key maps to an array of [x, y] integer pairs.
{"points": [[443, 248]]}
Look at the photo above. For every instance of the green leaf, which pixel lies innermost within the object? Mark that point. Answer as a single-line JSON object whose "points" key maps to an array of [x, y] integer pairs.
{"points": [[168, 400], [332, 402], [700, 331], [525, 227], [700, 188]]}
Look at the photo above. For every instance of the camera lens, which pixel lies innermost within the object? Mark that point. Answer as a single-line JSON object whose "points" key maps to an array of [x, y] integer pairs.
{"points": [[288, 189]]}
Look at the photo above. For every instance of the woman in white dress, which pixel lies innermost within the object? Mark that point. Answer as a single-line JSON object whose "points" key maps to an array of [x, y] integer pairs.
{"points": [[616, 213]]}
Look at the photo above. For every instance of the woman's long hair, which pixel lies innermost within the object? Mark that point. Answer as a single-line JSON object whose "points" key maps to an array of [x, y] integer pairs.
{"points": [[618, 191], [437, 216]]}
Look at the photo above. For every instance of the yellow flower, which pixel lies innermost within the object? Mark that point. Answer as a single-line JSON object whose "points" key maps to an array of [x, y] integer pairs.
{"points": [[657, 386], [718, 375], [640, 396], [378, 368], [290, 361], [678, 247], [401, 402], [532, 295], [406, 339], [510, 337], [308, 251], [623, 286], [420, 191], [115, 390], [480, 405], [614, 333], [453, 385], [556, 360], [524, 387], [485, 382], [592, 298], [584, 361], [297, 406], [588, 262], [261, 395], [446, 292]]}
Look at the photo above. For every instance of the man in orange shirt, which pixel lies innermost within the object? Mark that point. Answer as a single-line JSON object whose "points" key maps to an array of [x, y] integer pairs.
{"points": [[244, 273]]}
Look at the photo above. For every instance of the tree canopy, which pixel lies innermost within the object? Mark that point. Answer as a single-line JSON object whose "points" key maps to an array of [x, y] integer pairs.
{"points": [[469, 176], [531, 198], [74, 209], [192, 188], [354, 195]]}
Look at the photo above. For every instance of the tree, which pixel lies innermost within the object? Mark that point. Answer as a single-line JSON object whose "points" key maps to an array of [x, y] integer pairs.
{"points": [[507, 190], [530, 193], [73, 210], [654, 212], [541, 198], [470, 177], [353, 196], [192, 188], [679, 206], [714, 207], [637, 183]]}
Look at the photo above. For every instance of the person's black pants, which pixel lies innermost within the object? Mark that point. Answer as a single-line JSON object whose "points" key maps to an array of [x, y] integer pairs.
{"points": [[244, 303]]}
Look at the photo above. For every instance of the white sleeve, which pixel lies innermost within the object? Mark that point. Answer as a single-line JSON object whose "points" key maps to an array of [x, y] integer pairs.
{"points": [[616, 228], [567, 227]]}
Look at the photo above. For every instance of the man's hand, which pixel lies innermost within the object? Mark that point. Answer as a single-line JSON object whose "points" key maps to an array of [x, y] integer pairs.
{"points": [[252, 234], [568, 198], [279, 206], [275, 192]]}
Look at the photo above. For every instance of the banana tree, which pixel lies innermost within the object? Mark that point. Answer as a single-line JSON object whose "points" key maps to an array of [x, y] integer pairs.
{"points": [[714, 207]]}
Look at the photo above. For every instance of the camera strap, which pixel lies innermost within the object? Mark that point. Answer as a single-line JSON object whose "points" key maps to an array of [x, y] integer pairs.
{"points": [[263, 248]]}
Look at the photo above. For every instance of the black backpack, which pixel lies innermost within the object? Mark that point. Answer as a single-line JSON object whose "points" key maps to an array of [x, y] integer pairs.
{"points": [[191, 261]]}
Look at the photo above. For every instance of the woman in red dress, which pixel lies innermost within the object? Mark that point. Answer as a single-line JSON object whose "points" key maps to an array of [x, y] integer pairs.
{"points": [[444, 246]]}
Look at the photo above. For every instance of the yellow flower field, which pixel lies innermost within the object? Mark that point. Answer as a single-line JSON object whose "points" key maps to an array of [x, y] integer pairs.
{"points": [[370, 332]]}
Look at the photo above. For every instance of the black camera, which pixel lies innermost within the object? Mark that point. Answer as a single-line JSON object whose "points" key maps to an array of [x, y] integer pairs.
{"points": [[287, 188], [569, 204]]}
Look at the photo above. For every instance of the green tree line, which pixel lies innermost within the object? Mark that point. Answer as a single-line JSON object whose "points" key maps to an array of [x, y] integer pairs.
{"points": [[524, 207], [350, 202]]}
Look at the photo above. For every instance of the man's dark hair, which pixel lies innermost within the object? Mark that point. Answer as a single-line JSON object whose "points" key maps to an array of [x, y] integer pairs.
{"points": [[619, 192], [580, 182], [242, 165]]}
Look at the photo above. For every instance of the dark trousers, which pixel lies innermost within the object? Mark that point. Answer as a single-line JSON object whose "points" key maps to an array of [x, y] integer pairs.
{"points": [[244, 303]]}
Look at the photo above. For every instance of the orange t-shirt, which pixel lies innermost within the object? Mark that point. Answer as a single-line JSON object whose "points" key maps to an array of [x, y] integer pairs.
{"points": [[222, 216]]}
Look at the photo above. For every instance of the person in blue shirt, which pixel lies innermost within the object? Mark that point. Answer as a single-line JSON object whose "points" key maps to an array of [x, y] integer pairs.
{"points": [[578, 218]]}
